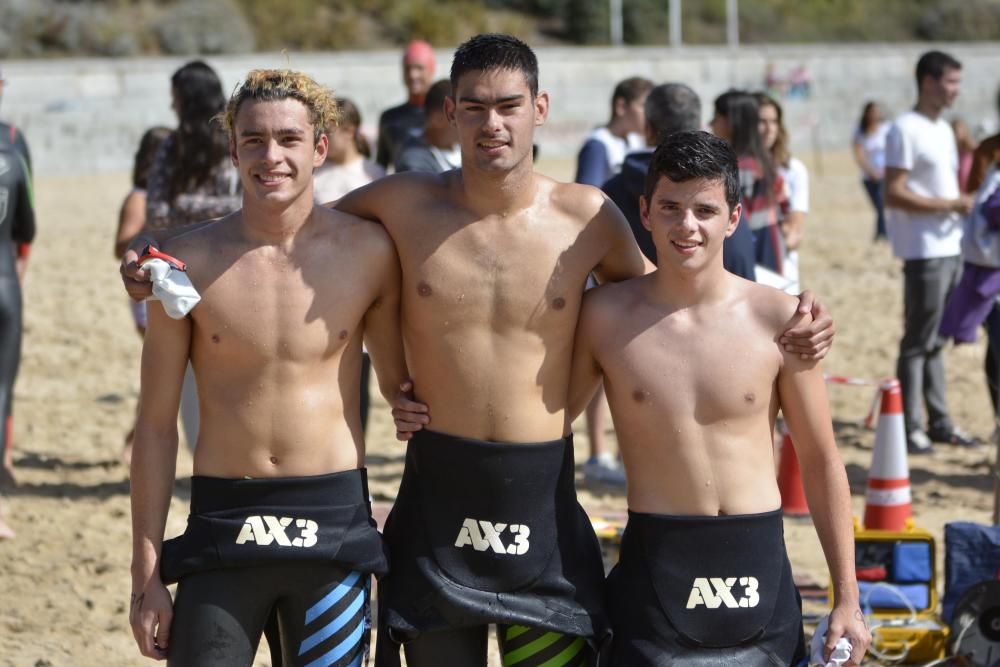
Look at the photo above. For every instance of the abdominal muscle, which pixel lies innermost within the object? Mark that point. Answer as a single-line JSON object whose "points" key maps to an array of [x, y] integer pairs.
{"points": [[295, 426], [708, 473]]}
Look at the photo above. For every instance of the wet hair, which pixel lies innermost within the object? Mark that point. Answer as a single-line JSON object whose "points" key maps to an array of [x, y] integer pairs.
{"points": [[687, 155], [349, 116], [933, 64], [493, 51], [629, 90], [434, 102], [672, 107], [274, 85], [198, 145], [863, 125], [144, 154], [741, 112], [779, 151]]}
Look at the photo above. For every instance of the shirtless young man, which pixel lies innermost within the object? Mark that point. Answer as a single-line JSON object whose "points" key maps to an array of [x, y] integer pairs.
{"points": [[279, 501], [486, 527], [703, 576]]}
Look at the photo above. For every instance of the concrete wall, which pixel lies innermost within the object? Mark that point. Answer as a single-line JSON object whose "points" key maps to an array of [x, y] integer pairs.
{"points": [[88, 114]]}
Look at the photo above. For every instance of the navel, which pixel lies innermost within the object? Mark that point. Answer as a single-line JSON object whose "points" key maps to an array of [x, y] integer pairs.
{"points": [[749, 397], [559, 303], [216, 338], [274, 460], [343, 334], [639, 396], [423, 289]]}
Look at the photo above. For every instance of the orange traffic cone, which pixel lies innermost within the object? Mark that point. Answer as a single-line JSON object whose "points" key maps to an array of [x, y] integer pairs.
{"points": [[793, 496], [887, 501]]}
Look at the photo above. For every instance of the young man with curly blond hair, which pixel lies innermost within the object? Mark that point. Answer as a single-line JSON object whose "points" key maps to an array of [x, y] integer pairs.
{"points": [[280, 518]]}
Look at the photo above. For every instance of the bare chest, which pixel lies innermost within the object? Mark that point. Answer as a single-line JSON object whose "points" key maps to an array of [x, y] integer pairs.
{"points": [[278, 313], [518, 273], [708, 374]]}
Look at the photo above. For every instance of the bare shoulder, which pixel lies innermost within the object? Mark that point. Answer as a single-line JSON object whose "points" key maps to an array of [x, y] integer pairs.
{"points": [[366, 239], [578, 201], [605, 307], [772, 308], [203, 242]]}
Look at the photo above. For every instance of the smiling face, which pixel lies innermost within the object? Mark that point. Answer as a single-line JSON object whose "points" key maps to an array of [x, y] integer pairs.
{"points": [[943, 91], [768, 125], [274, 150], [495, 115], [689, 220]]}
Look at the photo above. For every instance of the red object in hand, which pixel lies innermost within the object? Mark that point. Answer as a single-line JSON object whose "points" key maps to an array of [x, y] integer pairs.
{"points": [[149, 252]]}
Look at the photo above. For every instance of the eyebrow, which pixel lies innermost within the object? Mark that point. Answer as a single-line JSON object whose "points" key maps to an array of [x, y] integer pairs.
{"points": [[284, 131], [499, 100]]}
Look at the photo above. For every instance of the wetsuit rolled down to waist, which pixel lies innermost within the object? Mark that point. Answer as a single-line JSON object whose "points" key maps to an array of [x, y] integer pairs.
{"points": [[485, 532], [704, 590], [304, 547]]}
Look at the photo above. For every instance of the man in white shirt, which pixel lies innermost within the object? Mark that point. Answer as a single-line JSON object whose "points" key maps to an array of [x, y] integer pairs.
{"points": [[924, 208]]}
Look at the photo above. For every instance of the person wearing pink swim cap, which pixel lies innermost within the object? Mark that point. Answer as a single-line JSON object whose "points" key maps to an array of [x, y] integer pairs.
{"points": [[398, 123]]}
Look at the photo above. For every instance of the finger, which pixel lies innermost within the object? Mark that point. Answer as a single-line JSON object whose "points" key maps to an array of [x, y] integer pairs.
{"points": [[146, 639], [406, 405], [806, 300], [409, 415], [162, 639], [407, 426], [406, 385], [403, 437]]}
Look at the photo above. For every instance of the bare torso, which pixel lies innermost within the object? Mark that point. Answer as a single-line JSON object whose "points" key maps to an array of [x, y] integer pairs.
{"points": [[490, 303], [276, 341], [693, 395]]}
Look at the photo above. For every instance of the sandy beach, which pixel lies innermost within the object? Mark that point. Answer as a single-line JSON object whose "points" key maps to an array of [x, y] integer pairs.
{"points": [[64, 581]]}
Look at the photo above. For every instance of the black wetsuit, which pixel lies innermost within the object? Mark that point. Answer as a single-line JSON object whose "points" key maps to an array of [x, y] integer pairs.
{"points": [[488, 533], [395, 125], [17, 226], [303, 547]]}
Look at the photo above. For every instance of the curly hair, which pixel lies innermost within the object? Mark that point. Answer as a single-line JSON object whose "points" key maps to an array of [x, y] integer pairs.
{"points": [[273, 85]]}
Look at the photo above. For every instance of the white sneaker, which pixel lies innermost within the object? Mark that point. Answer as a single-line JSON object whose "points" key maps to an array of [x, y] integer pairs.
{"points": [[604, 468]]}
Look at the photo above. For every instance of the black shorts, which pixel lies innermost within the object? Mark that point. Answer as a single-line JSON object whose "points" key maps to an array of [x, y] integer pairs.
{"points": [[301, 547], [692, 590], [485, 532]]}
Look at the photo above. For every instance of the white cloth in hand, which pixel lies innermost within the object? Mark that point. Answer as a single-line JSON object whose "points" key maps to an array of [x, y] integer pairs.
{"points": [[841, 652], [171, 287]]}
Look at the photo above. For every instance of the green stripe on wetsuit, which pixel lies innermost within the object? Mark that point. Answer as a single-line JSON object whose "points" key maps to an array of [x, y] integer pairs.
{"points": [[27, 180], [521, 646]]}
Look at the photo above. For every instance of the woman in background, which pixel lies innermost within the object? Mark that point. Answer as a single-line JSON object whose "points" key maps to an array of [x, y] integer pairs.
{"points": [[131, 220], [347, 165], [793, 172], [737, 120], [869, 153]]}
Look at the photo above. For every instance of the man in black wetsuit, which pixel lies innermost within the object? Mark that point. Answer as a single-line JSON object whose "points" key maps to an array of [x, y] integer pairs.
{"points": [[397, 124], [17, 230]]}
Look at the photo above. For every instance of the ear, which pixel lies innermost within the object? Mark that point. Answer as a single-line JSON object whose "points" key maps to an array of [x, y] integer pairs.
{"points": [[618, 107], [541, 108], [232, 152], [449, 109], [644, 213], [321, 149], [734, 219]]}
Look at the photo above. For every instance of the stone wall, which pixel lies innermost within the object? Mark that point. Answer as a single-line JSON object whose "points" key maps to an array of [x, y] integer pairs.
{"points": [[88, 114]]}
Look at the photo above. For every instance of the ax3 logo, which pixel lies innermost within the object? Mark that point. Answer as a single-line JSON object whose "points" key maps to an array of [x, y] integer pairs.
{"points": [[265, 530], [713, 592], [489, 537]]}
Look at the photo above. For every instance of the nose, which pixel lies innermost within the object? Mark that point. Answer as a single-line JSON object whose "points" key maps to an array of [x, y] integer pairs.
{"points": [[492, 123], [272, 153], [688, 222]]}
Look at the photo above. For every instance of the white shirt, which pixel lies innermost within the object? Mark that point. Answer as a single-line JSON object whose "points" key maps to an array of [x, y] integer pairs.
{"points": [[333, 181], [796, 178], [926, 149], [873, 146]]}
